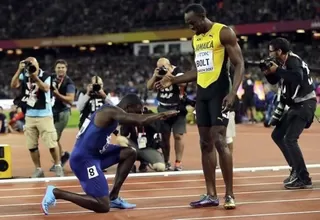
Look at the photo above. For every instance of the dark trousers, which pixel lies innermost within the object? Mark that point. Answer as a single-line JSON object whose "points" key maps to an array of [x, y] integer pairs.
{"points": [[288, 131]]}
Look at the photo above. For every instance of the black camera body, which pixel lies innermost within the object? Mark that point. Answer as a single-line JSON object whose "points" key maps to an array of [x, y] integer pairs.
{"points": [[29, 67], [96, 87], [266, 63], [163, 71], [55, 81]]}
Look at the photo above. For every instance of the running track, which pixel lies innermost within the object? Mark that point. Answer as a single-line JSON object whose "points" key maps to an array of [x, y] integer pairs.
{"points": [[259, 195]]}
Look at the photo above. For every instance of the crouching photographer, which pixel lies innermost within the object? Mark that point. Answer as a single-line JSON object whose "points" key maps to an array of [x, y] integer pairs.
{"points": [[171, 98], [147, 141], [291, 73], [92, 99]]}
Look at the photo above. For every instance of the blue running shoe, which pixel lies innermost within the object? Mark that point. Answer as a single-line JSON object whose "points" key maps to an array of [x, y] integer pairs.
{"points": [[48, 200], [119, 203]]}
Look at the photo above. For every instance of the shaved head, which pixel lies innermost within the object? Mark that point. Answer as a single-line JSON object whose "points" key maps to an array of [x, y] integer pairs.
{"points": [[34, 61], [163, 62]]}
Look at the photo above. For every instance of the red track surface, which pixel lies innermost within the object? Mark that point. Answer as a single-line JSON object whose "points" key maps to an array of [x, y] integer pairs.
{"points": [[259, 195]]}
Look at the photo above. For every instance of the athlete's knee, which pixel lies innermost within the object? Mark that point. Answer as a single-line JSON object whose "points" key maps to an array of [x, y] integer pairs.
{"points": [[159, 167], [206, 139], [221, 144], [129, 152], [103, 205]]}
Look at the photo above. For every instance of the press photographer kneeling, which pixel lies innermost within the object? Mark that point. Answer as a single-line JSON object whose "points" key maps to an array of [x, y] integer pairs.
{"points": [[147, 141], [297, 93]]}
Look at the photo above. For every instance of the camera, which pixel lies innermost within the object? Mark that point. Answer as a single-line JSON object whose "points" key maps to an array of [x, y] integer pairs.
{"points": [[55, 81], [29, 67], [277, 114], [162, 71], [96, 87], [266, 63]]}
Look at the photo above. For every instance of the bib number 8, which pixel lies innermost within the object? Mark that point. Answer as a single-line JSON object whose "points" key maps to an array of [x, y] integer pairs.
{"points": [[92, 172]]}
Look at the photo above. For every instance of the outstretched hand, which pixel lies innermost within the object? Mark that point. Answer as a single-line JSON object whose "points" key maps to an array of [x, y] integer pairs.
{"points": [[165, 82], [168, 114]]}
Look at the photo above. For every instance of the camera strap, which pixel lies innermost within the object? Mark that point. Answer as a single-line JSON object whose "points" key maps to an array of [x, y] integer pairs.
{"points": [[60, 83]]}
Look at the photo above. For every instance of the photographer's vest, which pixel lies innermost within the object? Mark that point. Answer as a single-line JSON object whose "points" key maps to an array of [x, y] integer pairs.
{"points": [[170, 96], [297, 93], [31, 90], [211, 60], [92, 105], [60, 106]]}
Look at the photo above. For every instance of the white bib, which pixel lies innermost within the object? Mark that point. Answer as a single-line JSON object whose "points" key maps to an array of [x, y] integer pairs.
{"points": [[204, 61], [142, 141]]}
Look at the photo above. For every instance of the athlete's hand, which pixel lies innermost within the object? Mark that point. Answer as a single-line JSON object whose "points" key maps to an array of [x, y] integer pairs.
{"points": [[165, 82], [228, 101], [168, 114]]}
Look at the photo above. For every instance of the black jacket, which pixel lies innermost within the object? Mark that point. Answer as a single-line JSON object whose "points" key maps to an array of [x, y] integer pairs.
{"points": [[294, 80]]}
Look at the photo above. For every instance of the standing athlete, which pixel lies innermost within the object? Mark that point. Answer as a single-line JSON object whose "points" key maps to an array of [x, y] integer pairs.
{"points": [[93, 152], [213, 44]]}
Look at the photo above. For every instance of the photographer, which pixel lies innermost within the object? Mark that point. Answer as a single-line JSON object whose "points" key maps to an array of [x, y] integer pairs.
{"points": [[36, 99], [297, 93], [147, 141], [169, 99], [92, 100], [63, 95]]}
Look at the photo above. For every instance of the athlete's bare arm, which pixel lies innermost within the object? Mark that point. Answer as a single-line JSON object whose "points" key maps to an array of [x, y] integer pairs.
{"points": [[189, 76], [229, 40], [108, 114]]}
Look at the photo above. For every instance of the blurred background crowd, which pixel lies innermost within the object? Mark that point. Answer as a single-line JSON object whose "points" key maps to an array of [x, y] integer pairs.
{"points": [[122, 70]]}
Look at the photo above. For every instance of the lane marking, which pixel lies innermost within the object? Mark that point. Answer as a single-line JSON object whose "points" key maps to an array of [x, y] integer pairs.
{"points": [[153, 174], [252, 215], [162, 189], [170, 197], [151, 182], [174, 207]]}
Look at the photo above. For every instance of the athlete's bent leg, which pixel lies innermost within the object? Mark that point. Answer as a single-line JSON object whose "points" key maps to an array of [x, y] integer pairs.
{"points": [[94, 184], [128, 156]]}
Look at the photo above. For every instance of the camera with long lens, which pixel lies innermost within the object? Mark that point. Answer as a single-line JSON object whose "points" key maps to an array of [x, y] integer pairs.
{"points": [[277, 114], [265, 64], [163, 71], [29, 67]]}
